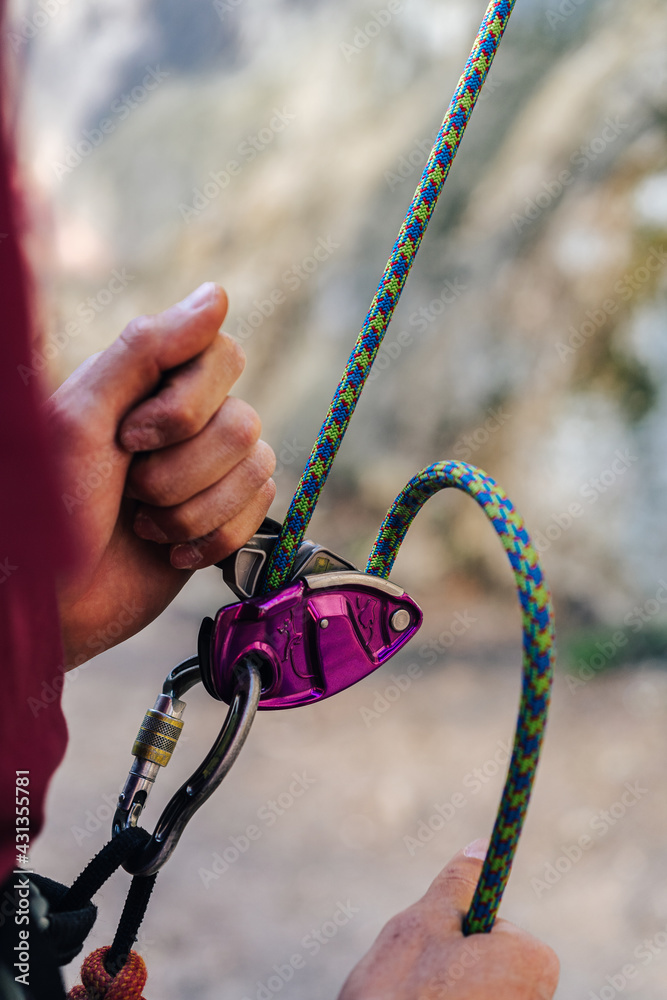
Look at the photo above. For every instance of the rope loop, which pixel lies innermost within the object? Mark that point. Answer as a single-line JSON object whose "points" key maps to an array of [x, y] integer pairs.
{"points": [[538, 638], [127, 984]]}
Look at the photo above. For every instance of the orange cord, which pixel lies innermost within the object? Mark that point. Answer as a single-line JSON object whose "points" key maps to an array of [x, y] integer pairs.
{"points": [[128, 984]]}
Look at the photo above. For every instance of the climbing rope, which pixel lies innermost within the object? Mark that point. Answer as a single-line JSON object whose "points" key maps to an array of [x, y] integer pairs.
{"points": [[537, 614], [388, 292], [537, 620]]}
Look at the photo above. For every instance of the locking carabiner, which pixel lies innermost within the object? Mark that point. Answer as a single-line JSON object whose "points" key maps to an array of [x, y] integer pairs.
{"points": [[153, 749]]}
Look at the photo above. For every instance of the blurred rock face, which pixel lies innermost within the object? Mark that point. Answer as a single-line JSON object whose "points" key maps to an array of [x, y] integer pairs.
{"points": [[274, 147]]}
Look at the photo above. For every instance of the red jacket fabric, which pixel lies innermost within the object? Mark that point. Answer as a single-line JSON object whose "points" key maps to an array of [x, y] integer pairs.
{"points": [[32, 548]]}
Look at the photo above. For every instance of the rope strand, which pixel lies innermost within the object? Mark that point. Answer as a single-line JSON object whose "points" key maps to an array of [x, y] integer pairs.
{"points": [[538, 620], [388, 292], [538, 635]]}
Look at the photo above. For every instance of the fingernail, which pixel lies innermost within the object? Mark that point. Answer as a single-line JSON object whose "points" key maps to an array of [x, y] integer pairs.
{"points": [[185, 556], [200, 296], [477, 849], [141, 438], [146, 527]]}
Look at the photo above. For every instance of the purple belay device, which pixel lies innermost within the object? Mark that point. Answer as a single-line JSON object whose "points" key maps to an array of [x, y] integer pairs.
{"points": [[312, 639]]}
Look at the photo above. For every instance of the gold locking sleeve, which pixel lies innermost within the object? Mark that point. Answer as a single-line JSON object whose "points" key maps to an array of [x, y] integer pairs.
{"points": [[157, 737]]}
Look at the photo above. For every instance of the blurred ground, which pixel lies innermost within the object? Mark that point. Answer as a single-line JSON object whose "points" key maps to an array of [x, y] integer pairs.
{"points": [[370, 779]]}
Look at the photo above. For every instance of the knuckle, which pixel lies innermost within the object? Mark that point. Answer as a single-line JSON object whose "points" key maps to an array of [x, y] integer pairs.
{"points": [[185, 419], [229, 538], [70, 422], [409, 925], [140, 338], [138, 331], [181, 524], [246, 425], [456, 884], [264, 460], [535, 965], [147, 481]]}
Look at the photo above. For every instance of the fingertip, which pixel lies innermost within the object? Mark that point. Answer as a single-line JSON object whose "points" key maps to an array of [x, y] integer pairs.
{"points": [[186, 556], [218, 301], [477, 849], [207, 294]]}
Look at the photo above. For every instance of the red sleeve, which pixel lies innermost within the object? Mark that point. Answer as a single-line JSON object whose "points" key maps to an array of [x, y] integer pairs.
{"points": [[32, 548]]}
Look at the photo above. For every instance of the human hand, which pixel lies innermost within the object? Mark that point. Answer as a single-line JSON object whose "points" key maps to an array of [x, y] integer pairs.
{"points": [[163, 471], [422, 954]]}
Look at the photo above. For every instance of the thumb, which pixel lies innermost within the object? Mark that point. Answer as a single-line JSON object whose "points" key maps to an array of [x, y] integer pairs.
{"points": [[132, 367], [452, 890]]}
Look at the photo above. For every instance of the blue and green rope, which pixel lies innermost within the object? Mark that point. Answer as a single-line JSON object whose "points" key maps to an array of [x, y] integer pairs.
{"points": [[538, 635], [535, 603]]}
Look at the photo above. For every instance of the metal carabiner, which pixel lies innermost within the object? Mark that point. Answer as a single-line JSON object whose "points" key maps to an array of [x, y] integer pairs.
{"points": [[154, 746], [328, 628]]}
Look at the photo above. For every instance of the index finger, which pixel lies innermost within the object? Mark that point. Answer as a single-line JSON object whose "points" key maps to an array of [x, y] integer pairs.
{"points": [[187, 399]]}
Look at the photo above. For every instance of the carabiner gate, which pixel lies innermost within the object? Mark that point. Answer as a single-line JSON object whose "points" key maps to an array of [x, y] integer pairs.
{"points": [[154, 746]]}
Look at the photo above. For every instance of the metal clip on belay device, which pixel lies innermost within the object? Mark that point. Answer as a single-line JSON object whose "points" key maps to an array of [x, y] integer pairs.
{"points": [[308, 624]]}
